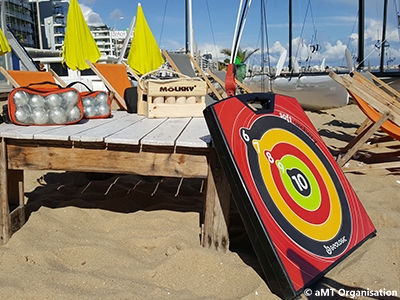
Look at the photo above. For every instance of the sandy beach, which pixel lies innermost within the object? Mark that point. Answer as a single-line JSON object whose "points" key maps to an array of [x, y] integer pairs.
{"points": [[134, 237]]}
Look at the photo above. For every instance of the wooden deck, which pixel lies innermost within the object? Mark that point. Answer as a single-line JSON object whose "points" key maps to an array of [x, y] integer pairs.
{"points": [[122, 144]]}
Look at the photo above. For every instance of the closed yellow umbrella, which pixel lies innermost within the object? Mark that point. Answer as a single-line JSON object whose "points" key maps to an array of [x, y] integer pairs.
{"points": [[144, 55], [4, 46], [79, 44]]}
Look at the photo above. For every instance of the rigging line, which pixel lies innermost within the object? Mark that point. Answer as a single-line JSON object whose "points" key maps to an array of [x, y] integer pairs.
{"points": [[302, 28], [240, 28], [212, 30], [264, 38], [163, 21], [379, 45]]}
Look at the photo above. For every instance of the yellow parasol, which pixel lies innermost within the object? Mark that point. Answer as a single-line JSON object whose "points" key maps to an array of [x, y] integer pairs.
{"points": [[79, 44], [144, 55], [4, 46]]}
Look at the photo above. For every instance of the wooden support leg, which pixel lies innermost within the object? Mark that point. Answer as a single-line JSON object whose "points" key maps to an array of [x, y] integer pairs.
{"points": [[5, 232], [356, 144], [364, 124], [11, 193], [217, 204]]}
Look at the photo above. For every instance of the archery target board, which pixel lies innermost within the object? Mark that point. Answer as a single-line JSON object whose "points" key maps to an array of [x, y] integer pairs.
{"points": [[298, 208]]}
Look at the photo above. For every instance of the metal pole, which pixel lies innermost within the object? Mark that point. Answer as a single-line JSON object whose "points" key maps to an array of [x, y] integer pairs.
{"points": [[290, 35], [126, 41], [361, 22], [39, 25], [381, 66]]}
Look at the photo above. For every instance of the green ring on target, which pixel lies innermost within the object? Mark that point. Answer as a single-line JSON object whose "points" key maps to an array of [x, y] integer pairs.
{"points": [[299, 182]]}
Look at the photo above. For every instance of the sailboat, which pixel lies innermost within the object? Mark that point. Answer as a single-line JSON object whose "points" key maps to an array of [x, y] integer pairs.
{"points": [[314, 91]]}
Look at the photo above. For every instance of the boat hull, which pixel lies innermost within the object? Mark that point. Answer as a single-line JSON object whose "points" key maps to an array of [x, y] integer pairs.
{"points": [[312, 92]]}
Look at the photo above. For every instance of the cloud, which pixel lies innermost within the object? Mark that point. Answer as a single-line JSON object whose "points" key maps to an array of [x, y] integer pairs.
{"points": [[116, 14], [92, 18]]}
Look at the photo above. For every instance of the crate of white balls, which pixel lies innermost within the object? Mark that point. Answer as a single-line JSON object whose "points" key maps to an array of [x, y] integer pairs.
{"points": [[53, 106], [179, 97]]}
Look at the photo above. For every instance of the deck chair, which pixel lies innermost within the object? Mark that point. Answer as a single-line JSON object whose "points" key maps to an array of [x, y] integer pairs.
{"points": [[25, 78], [115, 78], [182, 63], [383, 85], [380, 107], [219, 76]]}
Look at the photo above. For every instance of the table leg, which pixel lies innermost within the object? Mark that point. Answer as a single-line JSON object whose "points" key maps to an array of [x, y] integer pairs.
{"points": [[11, 192], [4, 209], [217, 204]]}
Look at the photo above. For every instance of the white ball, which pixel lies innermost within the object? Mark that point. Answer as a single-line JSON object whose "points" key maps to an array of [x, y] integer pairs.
{"points": [[40, 116], [181, 100], [170, 99], [36, 101], [103, 110], [158, 100], [90, 111], [88, 101], [20, 98], [70, 97], [102, 98], [74, 114], [191, 100], [57, 115], [53, 100], [22, 114]]}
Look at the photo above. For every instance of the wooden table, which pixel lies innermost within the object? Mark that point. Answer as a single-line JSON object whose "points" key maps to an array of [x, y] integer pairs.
{"points": [[122, 144]]}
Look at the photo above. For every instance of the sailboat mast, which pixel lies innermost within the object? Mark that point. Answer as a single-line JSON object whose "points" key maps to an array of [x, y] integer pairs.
{"points": [[290, 35], [189, 27], [381, 66], [361, 25]]}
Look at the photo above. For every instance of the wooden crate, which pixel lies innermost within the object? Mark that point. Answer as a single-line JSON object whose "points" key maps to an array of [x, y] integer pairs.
{"points": [[155, 97]]}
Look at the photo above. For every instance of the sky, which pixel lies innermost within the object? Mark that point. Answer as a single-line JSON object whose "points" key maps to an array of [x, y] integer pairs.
{"points": [[330, 24]]}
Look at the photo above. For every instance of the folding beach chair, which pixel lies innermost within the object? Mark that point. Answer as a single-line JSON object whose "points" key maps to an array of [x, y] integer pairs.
{"points": [[25, 78], [182, 63], [115, 78], [381, 108], [219, 76]]}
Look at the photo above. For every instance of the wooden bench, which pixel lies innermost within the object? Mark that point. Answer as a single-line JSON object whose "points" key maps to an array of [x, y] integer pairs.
{"points": [[122, 144]]}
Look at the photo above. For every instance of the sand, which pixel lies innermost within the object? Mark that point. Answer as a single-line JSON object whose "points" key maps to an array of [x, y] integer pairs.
{"points": [[121, 238]]}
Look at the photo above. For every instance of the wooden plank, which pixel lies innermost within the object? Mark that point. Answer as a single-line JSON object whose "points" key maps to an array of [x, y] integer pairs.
{"points": [[23, 132], [210, 85], [353, 166], [132, 134], [5, 232], [167, 133], [100, 128], [356, 144], [195, 135], [385, 85], [368, 96], [385, 97], [107, 161]]}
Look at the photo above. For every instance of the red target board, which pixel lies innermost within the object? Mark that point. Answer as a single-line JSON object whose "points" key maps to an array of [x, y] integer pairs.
{"points": [[299, 210]]}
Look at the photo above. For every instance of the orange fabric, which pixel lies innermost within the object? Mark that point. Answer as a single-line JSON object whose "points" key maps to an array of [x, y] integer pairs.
{"points": [[389, 127], [25, 78], [116, 75]]}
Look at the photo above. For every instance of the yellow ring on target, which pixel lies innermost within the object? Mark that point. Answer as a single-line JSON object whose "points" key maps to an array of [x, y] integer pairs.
{"points": [[323, 232]]}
